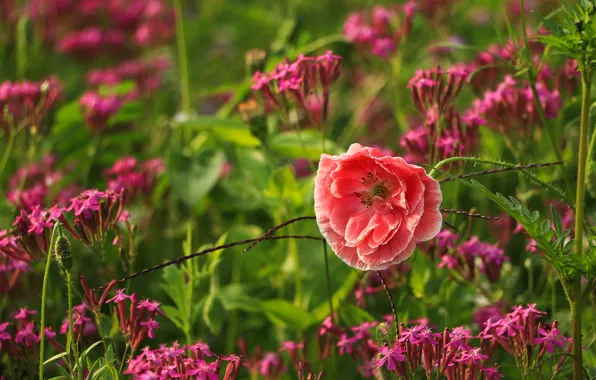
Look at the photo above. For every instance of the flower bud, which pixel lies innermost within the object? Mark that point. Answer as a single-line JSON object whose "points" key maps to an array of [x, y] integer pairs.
{"points": [[63, 250], [255, 119], [254, 60]]}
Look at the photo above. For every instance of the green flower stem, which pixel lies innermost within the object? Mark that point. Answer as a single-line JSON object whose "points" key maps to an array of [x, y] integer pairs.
{"points": [[70, 339], [182, 58], [46, 275], [8, 149], [576, 302]]}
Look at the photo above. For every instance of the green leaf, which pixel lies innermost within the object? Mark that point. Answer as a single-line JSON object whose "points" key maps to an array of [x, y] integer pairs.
{"points": [[304, 144], [234, 297], [353, 315], [283, 185], [322, 311], [88, 350], [556, 220], [229, 130], [214, 313], [55, 357], [286, 314], [420, 275], [192, 177]]}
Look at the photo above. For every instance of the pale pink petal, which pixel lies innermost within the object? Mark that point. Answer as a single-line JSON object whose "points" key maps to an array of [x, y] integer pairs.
{"points": [[359, 226]]}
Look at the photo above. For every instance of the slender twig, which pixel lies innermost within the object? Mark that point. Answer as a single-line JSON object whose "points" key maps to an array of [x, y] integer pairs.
{"points": [[393, 309], [274, 229], [465, 213], [453, 228], [205, 252], [493, 171]]}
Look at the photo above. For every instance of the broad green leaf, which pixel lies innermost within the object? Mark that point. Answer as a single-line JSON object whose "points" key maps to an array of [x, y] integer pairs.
{"points": [[214, 313], [229, 130], [234, 297], [303, 144], [353, 315], [193, 177], [283, 185], [322, 311], [286, 314], [420, 275]]}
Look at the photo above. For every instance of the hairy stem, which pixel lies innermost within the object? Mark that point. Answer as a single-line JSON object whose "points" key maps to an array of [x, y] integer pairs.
{"points": [[44, 287], [576, 303]]}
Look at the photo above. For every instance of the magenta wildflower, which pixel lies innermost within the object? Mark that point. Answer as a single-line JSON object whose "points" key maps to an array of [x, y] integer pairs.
{"points": [[97, 110], [388, 357], [491, 373], [95, 213], [27, 335], [136, 179], [23, 314], [550, 339]]}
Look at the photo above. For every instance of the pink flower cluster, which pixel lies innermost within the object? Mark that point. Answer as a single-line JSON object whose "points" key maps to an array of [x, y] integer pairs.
{"points": [[31, 185], [372, 284], [98, 109], [469, 258], [145, 75], [20, 338], [181, 362], [522, 335], [82, 325], [303, 82], [11, 269], [512, 108], [135, 318], [88, 28], [382, 31], [94, 213], [269, 365], [27, 103], [134, 178], [457, 137]]}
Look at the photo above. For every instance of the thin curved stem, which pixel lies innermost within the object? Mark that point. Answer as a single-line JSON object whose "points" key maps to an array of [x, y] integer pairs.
{"points": [[393, 308], [8, 149], [46, 275]]}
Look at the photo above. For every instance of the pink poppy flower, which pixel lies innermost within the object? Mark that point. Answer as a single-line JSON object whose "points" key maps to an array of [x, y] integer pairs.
{"points": [[373, 209]]}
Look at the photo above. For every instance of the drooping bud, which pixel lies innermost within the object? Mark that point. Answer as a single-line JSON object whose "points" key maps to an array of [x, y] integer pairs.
{"points": [[63, 250], [254, 60], [255, 119]]}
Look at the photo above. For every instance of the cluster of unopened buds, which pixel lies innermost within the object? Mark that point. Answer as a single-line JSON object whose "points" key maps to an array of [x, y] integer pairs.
{"points": [[94, 213], [145, 75], [88, 28], [134, 178], [468, 259], [25, 104], [31, 185], [382, 31], [303, 82]]}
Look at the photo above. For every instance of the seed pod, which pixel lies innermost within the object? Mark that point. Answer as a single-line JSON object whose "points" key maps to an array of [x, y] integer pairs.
{"points": [[63, 251]]}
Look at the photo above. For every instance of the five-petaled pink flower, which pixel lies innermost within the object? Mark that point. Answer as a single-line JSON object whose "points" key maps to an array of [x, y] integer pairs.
{"points": [[373, 209], [388, 357]]}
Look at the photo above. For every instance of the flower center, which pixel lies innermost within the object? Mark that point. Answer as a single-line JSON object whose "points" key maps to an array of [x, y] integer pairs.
{"points": [[378, 189]]}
